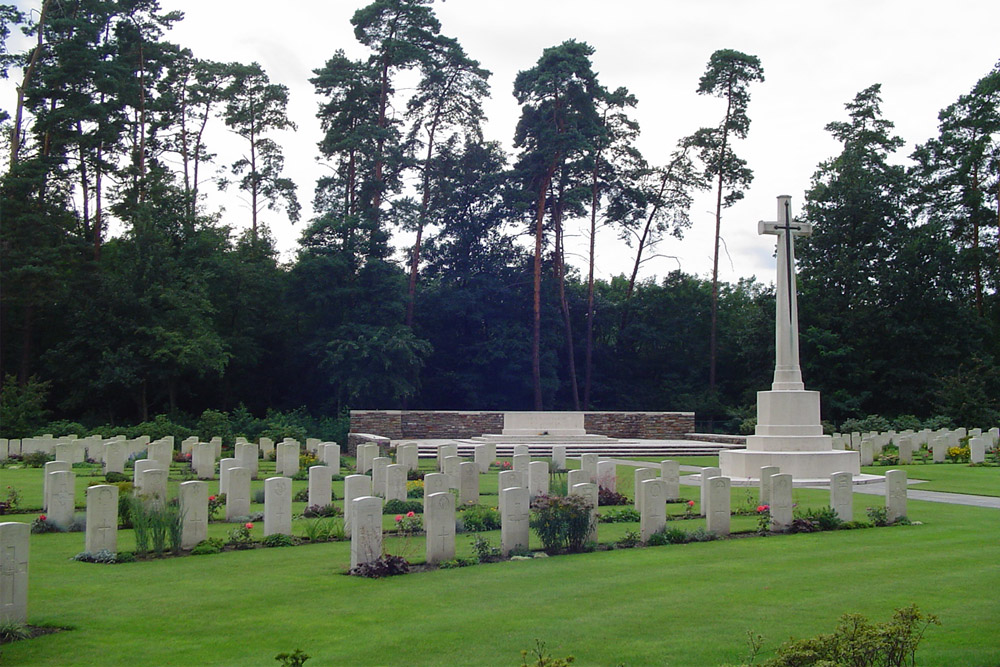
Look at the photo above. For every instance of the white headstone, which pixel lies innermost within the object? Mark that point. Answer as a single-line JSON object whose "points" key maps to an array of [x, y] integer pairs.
{"points": [[514, 515], [238, 495], [225, 465], [450, 469], [995, 435], [329, 455], [161, 451], [266, 447], [607, 475], [193, 502], [153, 484], [286, 462], [203, 460], [439, 523], [867, 452], [670, 472], [653, 506], [355, 486], [14, 544], [781, 502], [248, 456], [366, 529], [538, 478], [114, 457], [380, 465], [592, 494], [977, 450], [522, 450], [574, 477], [766, 473], [65, 451], [366, 453], [483, 456], [312, 445], [559, 457], [468, 483], [641, 475], [277, 506], [717, 505], [51, 466], [62, 487], [102, 518], [444, 451], [939, 449], [842, 495], [395, 482], [895, 495], [520, 462], [589, 462], [905, 446], [706, 473], [187, 444], [320, 485], [407, 454]]}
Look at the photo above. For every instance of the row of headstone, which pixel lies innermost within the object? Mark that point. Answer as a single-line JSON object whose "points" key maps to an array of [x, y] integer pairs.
{"points": [[776, 493], [870, 445]]}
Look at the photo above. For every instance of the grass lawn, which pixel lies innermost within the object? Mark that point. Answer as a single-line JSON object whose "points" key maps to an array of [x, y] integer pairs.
{"points": [[673, 605], [949, 477]]}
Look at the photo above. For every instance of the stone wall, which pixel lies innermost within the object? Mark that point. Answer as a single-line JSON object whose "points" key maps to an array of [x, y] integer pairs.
{"points": [[421, 424]]}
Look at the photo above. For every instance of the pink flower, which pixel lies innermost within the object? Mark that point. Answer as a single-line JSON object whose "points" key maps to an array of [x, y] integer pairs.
{"points": [[690, 503], [211, 498], [41, 517], [248, 526], [399, 517], [409, 515], [762, 508]]}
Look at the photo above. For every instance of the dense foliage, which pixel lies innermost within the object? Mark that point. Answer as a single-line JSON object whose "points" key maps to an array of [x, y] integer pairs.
{"points": [[126, 300]]}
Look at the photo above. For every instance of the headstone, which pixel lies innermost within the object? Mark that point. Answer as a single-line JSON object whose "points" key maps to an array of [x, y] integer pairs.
{"points": [[781, 502], [247, 456], [312, 444], [14, 544], [187, 444], [366, 529], [592, 494], [905, 446], [670, 472], [277, 506], [450, 469], [520, 462], [838, 441], [355, 486], [717, 505], [588, 462], [607, 475], [514, 511], [320, 489], [508, 479], [286, 462], [574, 477], [939, 449], [895, 495], [51, 466], [468, 483], [436, 482], [240, 441], [444, 451], [153, 484], [329, 455], [102, 518], [706, 473], [140, 466], [266, 447], [559, 457], [642, 475], [65, 451], [766, 473], [366, 453], [225, 465], [203, 460], [842, 495], [162, 452], [995, 435], [977, 450], [867, 452], [395, 482], [407, 455], [653, 507], [379, 466], [538, 478], [522, 450], [62, 487], [439, 524], [238, 495], [4, 449], [193, 502], [481, 454]]}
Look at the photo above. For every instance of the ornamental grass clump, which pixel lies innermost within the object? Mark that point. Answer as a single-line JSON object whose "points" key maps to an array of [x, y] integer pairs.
{"points": [[562, 523]]}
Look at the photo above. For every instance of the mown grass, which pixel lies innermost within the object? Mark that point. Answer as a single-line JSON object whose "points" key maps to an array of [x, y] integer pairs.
{"points": [[674, 605], [949, 477]]}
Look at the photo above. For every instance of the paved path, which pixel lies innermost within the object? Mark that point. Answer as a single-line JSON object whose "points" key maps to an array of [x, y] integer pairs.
{"points": [[876, 489]]}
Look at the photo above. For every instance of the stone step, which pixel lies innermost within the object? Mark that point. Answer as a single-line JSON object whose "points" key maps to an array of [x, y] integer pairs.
{"points": [[619, 449], [548, 440]]}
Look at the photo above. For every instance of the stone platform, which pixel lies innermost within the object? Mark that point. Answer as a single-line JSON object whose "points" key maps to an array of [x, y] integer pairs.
{"points": [[541, 446]]}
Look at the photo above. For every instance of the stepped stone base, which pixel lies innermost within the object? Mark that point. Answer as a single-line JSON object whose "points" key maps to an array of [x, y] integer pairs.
{"points": [[746, 464]]}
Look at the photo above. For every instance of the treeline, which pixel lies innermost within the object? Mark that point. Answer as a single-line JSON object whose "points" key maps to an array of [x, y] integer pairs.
{"points": [[183, 309]]}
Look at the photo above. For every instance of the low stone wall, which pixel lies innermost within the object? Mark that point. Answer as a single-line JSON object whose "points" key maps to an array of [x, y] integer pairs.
{"points": [[720, 438], [355, 439], [422, 424]]}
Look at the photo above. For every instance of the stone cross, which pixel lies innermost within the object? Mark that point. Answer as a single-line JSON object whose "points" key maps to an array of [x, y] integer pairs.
{"points": [[787, 374]]}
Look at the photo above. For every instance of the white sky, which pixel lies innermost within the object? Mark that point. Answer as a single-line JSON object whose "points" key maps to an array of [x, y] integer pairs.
{"points": [[816, 56]]}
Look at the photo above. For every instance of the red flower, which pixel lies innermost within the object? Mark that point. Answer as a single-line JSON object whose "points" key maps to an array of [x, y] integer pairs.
{"points": [[248, 526], [763, 508], [409, 514], [399, 517], [41, 517], [690, 503], [210, 498]]}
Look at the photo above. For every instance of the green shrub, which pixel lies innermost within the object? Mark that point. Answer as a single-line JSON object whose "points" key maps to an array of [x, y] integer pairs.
{"points": [[321, 510], [301, 496], [825, 518], [22, 408], [396, 506], [562, 523], [12, 631], [485, 551], [619, 515], [37, 459], [866, 425], [63, 427], [457, 562], [102, 556], [858, 641], [631, 539], [212, 424], [239, 536], [212, 545], [415, 488], [609, 497], [878, 516], [539, 658], [323, 530], [278, 540], [478, 518], [294, 659], [116, 477], [41, 524], [668, 536], [125, 557]]}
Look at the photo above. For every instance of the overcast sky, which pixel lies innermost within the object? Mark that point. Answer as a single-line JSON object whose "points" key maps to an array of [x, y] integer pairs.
{"points": [[816, 56]]}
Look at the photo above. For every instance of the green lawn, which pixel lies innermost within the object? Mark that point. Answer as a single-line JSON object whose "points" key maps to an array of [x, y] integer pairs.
{"points": [[949, 477], [674, 605]]}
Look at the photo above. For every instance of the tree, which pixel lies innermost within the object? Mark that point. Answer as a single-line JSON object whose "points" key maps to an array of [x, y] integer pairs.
{"points": [[728, 75], [959, 177], [557, 125], [255, 107]]}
